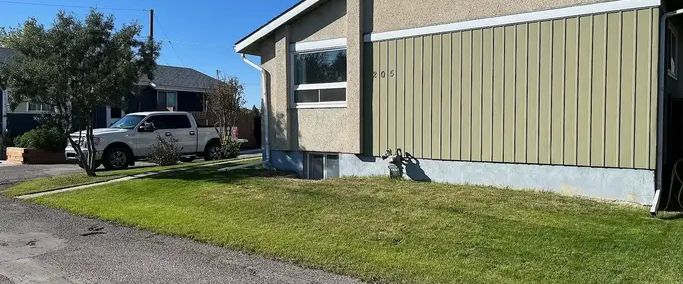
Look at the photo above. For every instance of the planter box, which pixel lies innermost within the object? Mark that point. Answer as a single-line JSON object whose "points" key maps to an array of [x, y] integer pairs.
{"points": [[34, 156]]}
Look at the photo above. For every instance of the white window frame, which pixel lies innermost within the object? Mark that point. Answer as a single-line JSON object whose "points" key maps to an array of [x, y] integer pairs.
{"points": [[307, 174], [44, 108], [310, 47], [673, 53], [175, 107]]}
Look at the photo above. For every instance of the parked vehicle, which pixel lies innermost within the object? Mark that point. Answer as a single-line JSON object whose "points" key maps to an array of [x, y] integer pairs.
{"points": [[131, 138]]}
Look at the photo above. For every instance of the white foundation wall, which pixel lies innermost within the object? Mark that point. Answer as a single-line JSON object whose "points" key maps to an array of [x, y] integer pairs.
{"points": [[629, 185]]}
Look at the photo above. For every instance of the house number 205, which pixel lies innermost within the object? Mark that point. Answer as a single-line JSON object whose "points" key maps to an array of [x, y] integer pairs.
{"points": [[383, 74]]}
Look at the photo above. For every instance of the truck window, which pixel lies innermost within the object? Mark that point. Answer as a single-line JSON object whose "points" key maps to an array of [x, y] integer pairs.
{"points": [[165, 121]]}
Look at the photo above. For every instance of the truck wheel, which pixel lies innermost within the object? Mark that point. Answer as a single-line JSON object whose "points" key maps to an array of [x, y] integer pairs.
{"points": [[115, 159], [212, 151]]}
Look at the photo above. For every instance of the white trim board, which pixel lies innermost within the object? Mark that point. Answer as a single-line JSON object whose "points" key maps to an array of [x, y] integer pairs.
{"points": [[611, 6], [318, 45], [274, 24]]}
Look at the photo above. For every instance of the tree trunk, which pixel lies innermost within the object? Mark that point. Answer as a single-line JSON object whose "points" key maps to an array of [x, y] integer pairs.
{"points": [[89, 139]]}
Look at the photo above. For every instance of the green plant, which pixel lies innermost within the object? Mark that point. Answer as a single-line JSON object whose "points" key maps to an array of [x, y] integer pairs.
{"points": [[230, 148], [93, 62], [6, 140], [44, 138], [165, 152]]}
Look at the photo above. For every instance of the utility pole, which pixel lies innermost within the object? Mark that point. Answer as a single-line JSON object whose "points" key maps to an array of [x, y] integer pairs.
{"points": [[151, 23]]}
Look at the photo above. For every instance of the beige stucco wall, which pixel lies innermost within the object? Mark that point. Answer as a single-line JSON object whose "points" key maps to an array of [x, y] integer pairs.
{"points": [[325, 129], [328, 21], [389, 15]]}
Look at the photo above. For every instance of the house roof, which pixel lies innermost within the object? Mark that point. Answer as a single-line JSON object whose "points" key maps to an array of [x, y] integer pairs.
{"points": [[166, 77], [175, 78], [273, 24], [6, 55]]}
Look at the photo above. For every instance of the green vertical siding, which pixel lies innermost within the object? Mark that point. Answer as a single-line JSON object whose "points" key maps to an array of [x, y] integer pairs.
{"points": [[436, 97], [446, 93], [533, 84], [575, 91], [400, 93]]}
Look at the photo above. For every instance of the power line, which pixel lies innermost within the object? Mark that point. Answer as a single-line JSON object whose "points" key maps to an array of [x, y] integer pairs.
{"points": [[189, 42], [72, 6], [170, 42]]}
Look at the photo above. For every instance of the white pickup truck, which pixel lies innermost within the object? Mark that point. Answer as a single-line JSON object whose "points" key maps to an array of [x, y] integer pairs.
{"points": [[131, 138]]}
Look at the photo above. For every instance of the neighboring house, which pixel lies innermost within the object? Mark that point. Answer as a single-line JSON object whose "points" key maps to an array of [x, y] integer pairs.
{"points": [[551, 95], [173, 88], [21, 118]]}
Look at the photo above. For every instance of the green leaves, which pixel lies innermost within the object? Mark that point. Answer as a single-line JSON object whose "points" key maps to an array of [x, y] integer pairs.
{"points": [[76, 65]]}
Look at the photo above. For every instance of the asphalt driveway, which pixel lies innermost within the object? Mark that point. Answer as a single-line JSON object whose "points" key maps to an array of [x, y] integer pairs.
{"points": [[39, 244], [15, 173]]}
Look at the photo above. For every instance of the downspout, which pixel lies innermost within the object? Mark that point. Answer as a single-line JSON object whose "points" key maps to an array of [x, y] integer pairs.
{"points": [[265, 112], [660, 108]]}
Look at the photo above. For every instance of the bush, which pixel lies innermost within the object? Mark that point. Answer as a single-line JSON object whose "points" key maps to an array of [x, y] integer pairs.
{"points": [[165, 152], [45, 138], [230, 148]]}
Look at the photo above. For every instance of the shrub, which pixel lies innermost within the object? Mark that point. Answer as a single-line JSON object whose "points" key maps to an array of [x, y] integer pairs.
{"points": [[165, 152], [44, 138], [230, 148]]}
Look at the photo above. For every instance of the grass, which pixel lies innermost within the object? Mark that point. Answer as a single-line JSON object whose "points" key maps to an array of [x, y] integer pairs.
{"points": [[398, 231], [57, 182]]}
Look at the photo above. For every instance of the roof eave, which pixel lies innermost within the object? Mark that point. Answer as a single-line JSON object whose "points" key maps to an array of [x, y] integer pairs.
{"points": [[273, 24]]}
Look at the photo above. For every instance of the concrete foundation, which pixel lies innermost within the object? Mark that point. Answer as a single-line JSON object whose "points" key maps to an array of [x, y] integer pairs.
{"points": [[288, 161], [628, 185]]}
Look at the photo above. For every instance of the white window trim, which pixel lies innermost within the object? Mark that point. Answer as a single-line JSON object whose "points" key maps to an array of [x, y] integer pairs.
{"points": [[25, 110], [321, 86], [309, 47], [175, 107], [611, 6], [329, 44]]}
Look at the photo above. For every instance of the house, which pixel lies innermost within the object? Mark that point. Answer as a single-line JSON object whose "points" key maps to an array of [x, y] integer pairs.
{"points": [[173, 88], [552, 95]]}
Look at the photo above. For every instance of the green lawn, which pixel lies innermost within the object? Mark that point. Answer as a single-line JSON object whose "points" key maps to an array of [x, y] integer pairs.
{"points": [[57, 182], [398, 231]]}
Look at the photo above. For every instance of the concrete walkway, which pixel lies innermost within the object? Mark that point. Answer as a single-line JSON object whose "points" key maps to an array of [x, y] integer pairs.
{"points": [[257, 160], [44, 245]]}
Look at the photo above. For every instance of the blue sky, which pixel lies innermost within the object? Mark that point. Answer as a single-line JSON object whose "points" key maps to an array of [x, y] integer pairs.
{"points": [[201, 32]]}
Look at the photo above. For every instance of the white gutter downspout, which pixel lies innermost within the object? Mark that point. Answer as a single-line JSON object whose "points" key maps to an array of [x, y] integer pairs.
{"points": [[660, 108], [265, 112]]}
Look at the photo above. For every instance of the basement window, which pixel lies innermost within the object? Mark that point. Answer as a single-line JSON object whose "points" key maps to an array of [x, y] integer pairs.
{"points": [[322, 166], [319, 78]]}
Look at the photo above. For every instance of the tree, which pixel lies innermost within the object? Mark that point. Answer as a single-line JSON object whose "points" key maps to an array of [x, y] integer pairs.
{"points": [[76, 66], [224, 104]]}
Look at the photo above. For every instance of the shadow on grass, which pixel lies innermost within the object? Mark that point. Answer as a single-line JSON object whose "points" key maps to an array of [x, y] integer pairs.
{"points": [[211, 174], [672, 216]]}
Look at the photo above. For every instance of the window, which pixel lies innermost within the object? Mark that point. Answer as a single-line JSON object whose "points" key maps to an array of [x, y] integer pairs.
{"points": [[38, 107], [322, 166], [115, 112], [319, 78], [169, 121], [672, 64], [128, 122], [167, 100]]}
